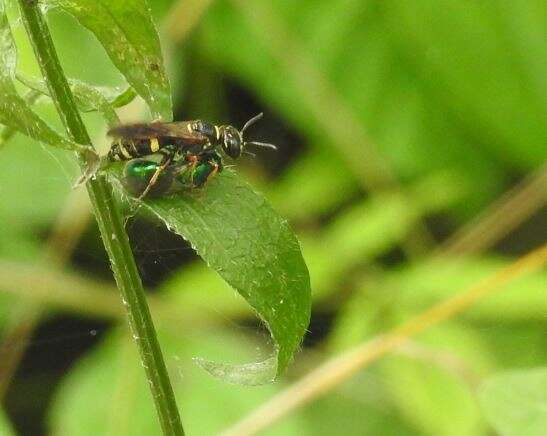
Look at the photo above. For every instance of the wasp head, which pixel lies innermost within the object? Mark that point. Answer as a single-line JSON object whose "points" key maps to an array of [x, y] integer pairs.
{"points": [[231, 141]]}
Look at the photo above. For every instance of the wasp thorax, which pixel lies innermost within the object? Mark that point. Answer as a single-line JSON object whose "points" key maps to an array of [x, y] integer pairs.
{"points": [[231, 141], [206, 129]]}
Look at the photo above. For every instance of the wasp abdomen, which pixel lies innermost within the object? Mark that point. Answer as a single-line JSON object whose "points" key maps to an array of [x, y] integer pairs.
{"points": [[125, 149]]}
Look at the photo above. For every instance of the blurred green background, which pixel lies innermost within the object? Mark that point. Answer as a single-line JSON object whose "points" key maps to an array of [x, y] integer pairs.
{"points": [[411, 164]]}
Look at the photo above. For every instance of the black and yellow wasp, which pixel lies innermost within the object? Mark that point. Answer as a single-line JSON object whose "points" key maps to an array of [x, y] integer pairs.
{"points": [[188, 151]]}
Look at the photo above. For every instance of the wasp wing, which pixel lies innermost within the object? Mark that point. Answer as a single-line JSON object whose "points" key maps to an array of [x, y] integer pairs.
{"points": [[179, 130]]}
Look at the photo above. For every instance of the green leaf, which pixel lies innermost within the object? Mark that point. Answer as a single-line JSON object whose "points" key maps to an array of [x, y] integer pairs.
{"points": [[89, 98], [8, 132], [15, 113], [129, 36], [515, 402], [121, 99], [252, 248]]}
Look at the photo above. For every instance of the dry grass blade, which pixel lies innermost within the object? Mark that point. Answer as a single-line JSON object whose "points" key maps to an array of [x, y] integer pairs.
{"points": [[338, 369], [501, 217], [183, 18]]}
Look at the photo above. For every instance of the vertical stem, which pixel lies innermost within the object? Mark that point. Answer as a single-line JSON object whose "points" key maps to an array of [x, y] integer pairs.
{"points": [[110, 222]]}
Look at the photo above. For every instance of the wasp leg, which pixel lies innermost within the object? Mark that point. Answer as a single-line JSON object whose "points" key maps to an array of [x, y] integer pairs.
{"points": [[164, 164], [206, 169], [192, 160], [216, 169]]}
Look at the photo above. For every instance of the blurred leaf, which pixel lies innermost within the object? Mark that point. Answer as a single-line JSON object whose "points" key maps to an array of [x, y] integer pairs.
{"points": [[229, 43], [7, 133], [88, 97], [357, 407], [116, 97], [129, 36], [5, 426], [468, 61], [17, 244], [433, 389], [319, 102], [357, 319], [314, 185], [421, 285], [107, 393], [371, 228], [253, 249], [527, 29], [515, 344], [46, 286], [418, 136], [34, 182], [416, 131], [515, 402], [14, 110]]}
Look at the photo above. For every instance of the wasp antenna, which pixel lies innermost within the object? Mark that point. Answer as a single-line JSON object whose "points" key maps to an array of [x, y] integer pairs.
{"points": [[249, 153], [251, 122], [262, 144]]}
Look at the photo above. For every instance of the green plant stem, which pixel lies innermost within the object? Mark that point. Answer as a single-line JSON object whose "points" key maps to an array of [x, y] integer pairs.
{"points": [[110, 222]]}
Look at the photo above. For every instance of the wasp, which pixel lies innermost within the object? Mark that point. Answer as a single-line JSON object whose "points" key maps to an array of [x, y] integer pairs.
{"points": [[190, 147]]}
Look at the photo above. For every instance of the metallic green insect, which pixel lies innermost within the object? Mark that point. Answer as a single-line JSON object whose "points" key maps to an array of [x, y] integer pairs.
{"points": [[194, 172]]}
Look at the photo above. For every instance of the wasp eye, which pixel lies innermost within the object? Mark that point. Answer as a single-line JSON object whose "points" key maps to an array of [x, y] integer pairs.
{"points": [[232, 146]]}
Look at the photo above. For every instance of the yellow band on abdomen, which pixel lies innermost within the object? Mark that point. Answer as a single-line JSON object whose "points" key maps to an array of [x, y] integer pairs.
{"points": [[154, 145]]}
